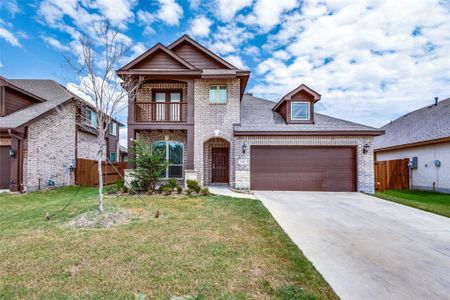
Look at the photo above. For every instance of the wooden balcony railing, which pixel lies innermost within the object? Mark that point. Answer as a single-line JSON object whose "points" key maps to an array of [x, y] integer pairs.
{"points": [[161, 111]]}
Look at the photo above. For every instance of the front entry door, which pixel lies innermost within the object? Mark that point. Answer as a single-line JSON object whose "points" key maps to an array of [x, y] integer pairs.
{"points": [[4, 167], [220, 164]]}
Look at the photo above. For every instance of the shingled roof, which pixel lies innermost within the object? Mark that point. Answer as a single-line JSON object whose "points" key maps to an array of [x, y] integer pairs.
{"points": [[257, 116], [428, 123], [52, 92]]}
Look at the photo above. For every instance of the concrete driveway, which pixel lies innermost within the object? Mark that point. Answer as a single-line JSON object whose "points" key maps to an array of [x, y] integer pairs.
{"points": [[367, 248]]}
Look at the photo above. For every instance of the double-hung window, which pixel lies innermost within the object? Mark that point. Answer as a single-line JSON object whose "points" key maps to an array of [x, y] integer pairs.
{"points": [[112, 129], [89, 117], [173, 152], [218, 94], [300, 111]]}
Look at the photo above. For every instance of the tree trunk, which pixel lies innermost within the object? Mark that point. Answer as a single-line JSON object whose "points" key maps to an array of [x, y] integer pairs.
{"points": [[100, 173]]}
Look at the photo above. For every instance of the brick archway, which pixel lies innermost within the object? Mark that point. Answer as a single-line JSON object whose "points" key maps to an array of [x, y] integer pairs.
{"points": [[216, 161]]}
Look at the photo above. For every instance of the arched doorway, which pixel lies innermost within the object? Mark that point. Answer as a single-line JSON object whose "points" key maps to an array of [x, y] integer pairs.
{"points": [[216, 161]]}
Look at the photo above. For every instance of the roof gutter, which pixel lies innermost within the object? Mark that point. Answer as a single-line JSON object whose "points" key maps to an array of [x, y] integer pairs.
{"points": [[410, 145]]}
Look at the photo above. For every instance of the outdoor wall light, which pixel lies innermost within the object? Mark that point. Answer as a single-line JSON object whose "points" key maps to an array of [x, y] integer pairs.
{"points": [[244, 148], [12, 152], [365, 149]]}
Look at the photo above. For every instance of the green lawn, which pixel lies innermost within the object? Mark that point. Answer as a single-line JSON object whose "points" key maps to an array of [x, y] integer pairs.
{"points": [[215, 247], [437, 203]]}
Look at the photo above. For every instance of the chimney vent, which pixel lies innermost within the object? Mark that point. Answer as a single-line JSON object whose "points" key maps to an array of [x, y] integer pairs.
{"points": [[250, 94], [436, 100]]}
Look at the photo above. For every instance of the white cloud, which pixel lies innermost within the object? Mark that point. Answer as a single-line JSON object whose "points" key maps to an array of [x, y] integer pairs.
{"points": [[229, 38], [11, 6], [267, 13], [170, 12], [55, 43], [9, 37], [119, 12], [227, 9], [252, 51], [221, 48], [1, 65], [236, 61], [363, 58], [194, 4], [145, 17], [200, 26]]}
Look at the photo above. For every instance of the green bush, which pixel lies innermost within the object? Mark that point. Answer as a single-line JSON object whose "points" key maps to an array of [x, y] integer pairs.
{"points": [[193, 185], [172, 183], [204, 191], [179, 189], [120, 184], [125, 189], [111, 189], [189, 192], [161, 188], [148, 165], [167, 190]]}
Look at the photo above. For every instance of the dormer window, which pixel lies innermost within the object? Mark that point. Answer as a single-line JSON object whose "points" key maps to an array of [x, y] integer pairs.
{"points": [[300, 111]]}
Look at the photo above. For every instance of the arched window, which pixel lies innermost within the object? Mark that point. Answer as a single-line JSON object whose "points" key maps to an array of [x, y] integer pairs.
{"points": [[173, 151]]}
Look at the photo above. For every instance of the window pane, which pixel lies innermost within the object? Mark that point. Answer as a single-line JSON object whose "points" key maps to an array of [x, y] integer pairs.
{"points": [[175, 171], [94, 119], [175, 153], [223, 94], [213, 94], [175, 97], [300, 111], [160, 97], [160, 147], [112, 156]]}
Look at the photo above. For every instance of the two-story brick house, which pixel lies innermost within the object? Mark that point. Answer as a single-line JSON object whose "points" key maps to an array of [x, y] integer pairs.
{"points": [[192, 106], [44, 128]]}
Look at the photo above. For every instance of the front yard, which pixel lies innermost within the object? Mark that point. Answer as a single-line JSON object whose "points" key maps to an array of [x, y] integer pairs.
{"points": [[211, 246], [437, 203]]}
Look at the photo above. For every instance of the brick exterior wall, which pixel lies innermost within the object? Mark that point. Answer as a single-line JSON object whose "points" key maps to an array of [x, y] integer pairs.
{"points": [[49, 148], [364, 162], [214, 120], [87, 146]]}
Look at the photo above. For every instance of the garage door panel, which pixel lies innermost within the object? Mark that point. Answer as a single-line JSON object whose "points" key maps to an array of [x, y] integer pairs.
{"points": [[302, 168]]}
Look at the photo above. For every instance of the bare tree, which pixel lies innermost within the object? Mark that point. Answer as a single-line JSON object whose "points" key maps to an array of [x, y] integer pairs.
{"points": [[97, 58]]}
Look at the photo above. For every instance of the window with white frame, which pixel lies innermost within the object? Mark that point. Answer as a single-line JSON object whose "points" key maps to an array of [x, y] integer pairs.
{"points": [[112, 128], [300, 111], [173, 152], [89, 117], [218, 94]]}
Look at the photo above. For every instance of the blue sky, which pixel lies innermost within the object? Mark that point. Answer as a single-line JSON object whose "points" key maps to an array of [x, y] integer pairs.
{"points": [[372, 61]]}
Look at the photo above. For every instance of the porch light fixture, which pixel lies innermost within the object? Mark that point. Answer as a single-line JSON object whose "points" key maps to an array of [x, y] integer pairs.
{"points": [[244, 148], [12, 152], [365, 149]]}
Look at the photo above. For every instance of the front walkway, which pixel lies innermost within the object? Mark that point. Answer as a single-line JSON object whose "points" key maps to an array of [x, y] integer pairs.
{"points": [[224, 190], [365, 247]]}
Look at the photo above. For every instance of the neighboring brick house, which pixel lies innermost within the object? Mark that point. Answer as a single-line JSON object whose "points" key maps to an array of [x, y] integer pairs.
{"points": [[192, 106], [423, 134], [42, 134]]}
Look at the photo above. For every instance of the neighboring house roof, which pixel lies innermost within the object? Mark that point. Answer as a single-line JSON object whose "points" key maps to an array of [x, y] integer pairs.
{"points": [[123, 149], [428, 123], [52, 92], [257, 117]]}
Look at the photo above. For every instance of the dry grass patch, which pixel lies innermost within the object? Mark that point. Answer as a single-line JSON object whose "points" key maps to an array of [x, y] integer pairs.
{"points": [[215, 247]]}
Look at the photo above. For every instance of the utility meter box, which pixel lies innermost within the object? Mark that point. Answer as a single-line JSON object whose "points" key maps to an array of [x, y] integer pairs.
{"points": [[437, 163], [414, 162]]}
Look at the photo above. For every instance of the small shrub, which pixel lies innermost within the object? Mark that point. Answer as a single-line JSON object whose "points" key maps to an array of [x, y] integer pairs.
{"points": [[160, 188], [172, 183], [193, 185], [120, 184], [204, 191], [111, 189], [136, 187], [179, 189], [167, 190], [124, 189], [189, 192]]}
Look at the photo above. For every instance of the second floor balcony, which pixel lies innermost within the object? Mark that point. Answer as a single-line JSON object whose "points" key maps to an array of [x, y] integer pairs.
{"points": [[169, 112]]}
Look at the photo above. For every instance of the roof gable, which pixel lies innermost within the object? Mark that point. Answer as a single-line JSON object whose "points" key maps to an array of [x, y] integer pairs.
{"points": [[158, 58], [302, 91], [198, 55]]}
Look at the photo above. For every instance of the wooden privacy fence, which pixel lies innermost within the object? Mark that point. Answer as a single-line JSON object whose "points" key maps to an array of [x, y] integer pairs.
{"points": [[86, 173], [392, 175]]}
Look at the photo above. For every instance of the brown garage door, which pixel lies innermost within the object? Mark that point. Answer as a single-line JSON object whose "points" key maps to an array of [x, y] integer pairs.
{"points": [[303, 168], [4, 167]]}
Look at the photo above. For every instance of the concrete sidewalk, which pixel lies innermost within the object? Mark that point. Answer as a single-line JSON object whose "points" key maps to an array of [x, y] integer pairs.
{"points": [[225, 191]]}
